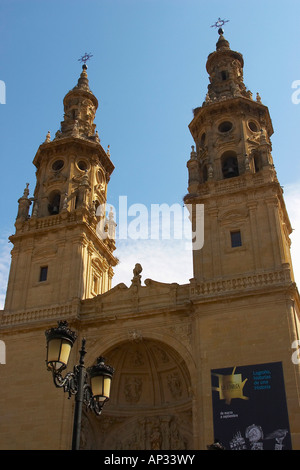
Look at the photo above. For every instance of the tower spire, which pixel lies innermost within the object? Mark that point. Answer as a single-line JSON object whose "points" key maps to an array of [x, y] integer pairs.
{"points": [[80, 106], [73, 171], [222, 42], [232, 134], [83, 81], [225, 69]]}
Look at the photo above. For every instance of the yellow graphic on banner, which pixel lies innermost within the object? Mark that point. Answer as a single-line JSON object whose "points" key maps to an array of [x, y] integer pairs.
{"points": [[230, 386]]}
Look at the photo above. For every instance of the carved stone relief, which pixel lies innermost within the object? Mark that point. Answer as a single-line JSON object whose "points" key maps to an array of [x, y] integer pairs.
{"points": [[158, 432], [150, 405], [133, 389]]}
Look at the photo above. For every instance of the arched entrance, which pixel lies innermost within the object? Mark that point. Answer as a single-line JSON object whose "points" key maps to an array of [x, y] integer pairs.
{"points": [[150, 406]]}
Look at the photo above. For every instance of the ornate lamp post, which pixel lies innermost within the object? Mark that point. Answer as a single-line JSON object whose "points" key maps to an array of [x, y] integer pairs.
{"points": [[60, 341]]}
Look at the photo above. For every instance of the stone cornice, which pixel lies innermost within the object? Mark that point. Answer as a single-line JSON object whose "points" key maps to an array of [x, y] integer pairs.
{"points": [[231, 105], [79, 219], [245, 182], [75, 144]]}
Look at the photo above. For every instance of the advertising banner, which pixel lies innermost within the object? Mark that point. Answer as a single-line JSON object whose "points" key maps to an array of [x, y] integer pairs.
{"points": [[249, 407]]}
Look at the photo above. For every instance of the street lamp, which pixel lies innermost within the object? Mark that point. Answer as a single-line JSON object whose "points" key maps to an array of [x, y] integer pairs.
{"points": [[60, 341]]}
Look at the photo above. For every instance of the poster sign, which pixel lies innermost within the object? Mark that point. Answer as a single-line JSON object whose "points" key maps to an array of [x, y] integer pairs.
{"points": [[249, 407]]}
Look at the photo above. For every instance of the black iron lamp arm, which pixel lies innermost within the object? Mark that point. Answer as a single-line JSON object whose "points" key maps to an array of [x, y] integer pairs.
{"points": [[69, 383]]}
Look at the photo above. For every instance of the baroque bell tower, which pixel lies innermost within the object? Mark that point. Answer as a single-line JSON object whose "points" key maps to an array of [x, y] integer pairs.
{"points": [[64, 249], [243, 292], [231, 172]]}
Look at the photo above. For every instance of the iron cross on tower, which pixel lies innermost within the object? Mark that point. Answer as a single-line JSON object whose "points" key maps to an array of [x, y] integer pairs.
{"points": [[218, 24], [83, 59]]}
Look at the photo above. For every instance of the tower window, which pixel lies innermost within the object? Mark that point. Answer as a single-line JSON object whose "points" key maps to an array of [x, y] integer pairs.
{"points": [[224, 75], [43, 273], [57, 165], [252, 125], [236, 239], [257, 163], [82, 165], [225, 126], [54, 203], [230, 166]]}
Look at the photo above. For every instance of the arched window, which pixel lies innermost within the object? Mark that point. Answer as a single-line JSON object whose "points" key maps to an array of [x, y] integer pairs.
{"points": [[257, 163], [224, 74], [230, 166], [54, 203]]}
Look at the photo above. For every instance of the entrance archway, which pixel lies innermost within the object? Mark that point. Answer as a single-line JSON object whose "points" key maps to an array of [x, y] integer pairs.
{"points": [[150, 406]]}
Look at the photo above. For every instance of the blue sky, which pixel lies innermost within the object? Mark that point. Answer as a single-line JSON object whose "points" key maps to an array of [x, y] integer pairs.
{"points": [[148, 73]]}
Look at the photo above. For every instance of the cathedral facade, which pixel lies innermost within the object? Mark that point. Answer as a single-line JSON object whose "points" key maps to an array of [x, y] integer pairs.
{"points": [[209, 359]]}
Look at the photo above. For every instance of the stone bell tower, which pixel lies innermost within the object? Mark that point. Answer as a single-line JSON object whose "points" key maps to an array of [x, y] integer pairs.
{"points": [[244, 296], [231, 172], [64, 249]]}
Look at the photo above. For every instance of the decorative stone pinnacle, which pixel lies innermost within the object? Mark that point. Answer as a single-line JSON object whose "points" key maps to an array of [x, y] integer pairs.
{"points": [[26, 190]]}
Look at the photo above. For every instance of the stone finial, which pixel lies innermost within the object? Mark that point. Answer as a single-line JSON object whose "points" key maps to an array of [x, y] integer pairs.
{"points": [[48, 137], [137, 274], [26, 190], [24, 204], [111, 225], [193, 153]]}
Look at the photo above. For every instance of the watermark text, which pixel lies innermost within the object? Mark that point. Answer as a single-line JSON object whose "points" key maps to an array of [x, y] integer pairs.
{"points": [[158, 222], [2, 92], [2, 352], [296, 354]]}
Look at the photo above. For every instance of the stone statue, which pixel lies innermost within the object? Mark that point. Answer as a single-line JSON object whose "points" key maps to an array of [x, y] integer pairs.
{"points": [[137, 274]]}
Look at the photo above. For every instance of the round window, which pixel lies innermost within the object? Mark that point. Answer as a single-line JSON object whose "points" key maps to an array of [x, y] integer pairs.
{"points": [[57, 165], [253, 126], [225, 126], [82, 165]]}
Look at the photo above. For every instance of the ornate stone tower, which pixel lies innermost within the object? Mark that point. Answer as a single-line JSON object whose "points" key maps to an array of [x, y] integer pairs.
{"points": [[231, 172], [244, 296], [64, 249], [185, 356]]}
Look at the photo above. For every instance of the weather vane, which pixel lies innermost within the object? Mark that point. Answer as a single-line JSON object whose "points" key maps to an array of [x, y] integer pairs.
{"points": [[219, 23], [83, 59]]}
